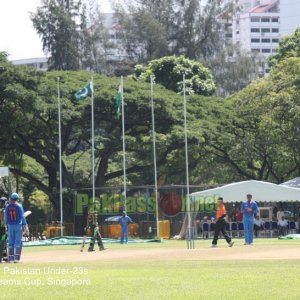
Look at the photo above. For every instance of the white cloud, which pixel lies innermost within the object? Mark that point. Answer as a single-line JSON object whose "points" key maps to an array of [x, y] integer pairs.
{"points": [[18, 37]]}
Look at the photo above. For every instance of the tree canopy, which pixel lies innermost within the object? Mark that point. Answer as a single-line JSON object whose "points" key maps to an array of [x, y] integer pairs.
{"points": [[169, 70], [152, 29], [289, 46], [251, 135], [263, 141], [31, 97], [55, 22]]}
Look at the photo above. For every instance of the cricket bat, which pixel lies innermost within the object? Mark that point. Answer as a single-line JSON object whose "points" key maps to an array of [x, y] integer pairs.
{"points": [[27, 213]]}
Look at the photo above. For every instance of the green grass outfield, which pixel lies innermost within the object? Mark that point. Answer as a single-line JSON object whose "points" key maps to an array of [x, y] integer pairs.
{"points": [[155, 278]]}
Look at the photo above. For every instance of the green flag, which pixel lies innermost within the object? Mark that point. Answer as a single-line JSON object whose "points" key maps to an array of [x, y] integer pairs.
{"points": [[119, 102], [84, 92]]}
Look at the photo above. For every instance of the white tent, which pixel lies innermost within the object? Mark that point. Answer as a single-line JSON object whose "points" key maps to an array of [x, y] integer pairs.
{"points": [[295, 182], [260, 190]]}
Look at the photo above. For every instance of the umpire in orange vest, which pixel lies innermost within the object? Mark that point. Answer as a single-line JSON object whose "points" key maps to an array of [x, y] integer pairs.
{"points": [[221, 225]]}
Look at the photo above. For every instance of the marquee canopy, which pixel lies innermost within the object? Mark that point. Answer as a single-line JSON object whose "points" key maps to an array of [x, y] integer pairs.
{"points": [[295, 182], [260, 190]]}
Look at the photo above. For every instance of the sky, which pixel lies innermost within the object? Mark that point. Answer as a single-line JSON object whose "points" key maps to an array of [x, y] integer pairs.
{"points": [[17, 36]]}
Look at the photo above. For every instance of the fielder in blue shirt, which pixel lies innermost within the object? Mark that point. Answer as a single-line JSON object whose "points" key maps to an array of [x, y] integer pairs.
{"points": [[15, 222], [124, 221], [249, 208]]}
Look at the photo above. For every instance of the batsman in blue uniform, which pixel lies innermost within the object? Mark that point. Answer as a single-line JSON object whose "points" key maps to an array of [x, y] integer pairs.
{"points": [[16, 223], [124, 221], [249, 208]]}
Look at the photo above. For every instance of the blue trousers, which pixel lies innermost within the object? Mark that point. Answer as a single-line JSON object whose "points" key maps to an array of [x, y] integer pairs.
{"points": [[124, 235], [14, 242], [248, 229]]}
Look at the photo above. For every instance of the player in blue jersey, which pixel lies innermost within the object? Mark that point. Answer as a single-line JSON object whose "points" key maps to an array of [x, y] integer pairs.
{"points": [[249, 208], [16, 223], [124, 221]]}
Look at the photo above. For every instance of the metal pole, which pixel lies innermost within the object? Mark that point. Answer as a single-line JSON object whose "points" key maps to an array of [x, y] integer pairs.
{"points": [[190, 243], [123, 140], [154, 158], [60, 160], [93, 143]]}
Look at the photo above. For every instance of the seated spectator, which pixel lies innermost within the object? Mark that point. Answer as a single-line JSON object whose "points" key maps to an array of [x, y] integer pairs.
{"points": [[204, 220], [198, 225], [238, 215], [258, 225], [279, 214], [282, 226]]}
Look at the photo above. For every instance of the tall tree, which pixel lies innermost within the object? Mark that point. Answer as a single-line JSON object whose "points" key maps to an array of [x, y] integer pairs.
{"points": [[56, 23], [233, 69], [261, 141], [29, 126], [144, 28], [152, 29], [96, 44]]}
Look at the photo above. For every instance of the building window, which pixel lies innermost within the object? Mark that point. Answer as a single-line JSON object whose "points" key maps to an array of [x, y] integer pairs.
{"points": [[265, 19], [266, 50], [255, 50], [265, 30], [265, 40], [255, 40], [274, 50], [254, 19], [275, 40], [275, 20], [254, 29], [275, 29]]}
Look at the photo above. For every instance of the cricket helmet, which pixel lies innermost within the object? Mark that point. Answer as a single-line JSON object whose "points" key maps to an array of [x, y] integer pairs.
{"points": [[14, 196], [3, 202]]}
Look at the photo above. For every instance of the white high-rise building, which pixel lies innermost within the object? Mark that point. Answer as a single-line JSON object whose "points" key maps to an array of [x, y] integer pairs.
{"points": [[258, 29], [289, 16]]}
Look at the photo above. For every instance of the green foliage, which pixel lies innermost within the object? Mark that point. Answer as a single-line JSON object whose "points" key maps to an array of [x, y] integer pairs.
{"points": [[34, 133], [40, 206], [289, 46], [233, 69], [96, 45], [253, 134], [40, 200], [55, 22], [158, 28], [267, 125], [168, 71]]}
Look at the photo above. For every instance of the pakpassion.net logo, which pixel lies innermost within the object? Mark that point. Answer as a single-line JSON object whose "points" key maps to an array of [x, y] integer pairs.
{"points": [[170, 203]]}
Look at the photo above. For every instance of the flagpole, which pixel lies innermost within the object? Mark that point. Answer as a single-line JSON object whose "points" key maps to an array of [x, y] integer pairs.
{"points": [[190, 244], [93, 143], [123, 140], [60, 161], [154, 158]]}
